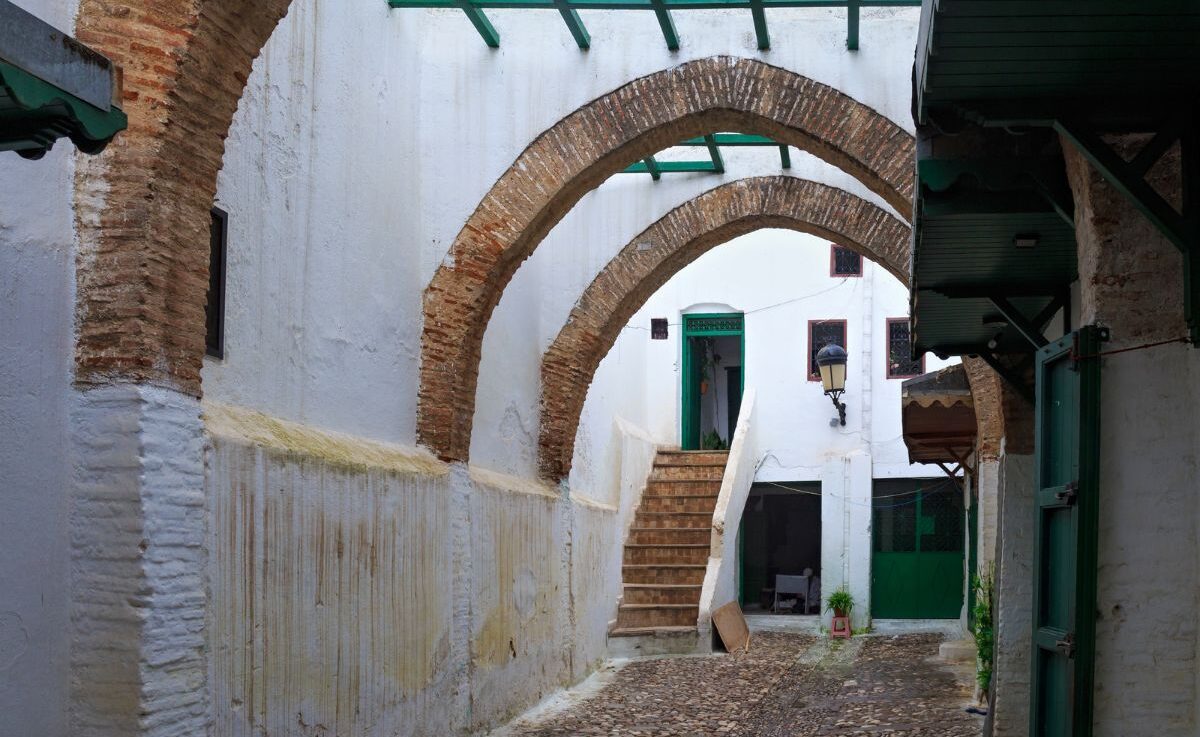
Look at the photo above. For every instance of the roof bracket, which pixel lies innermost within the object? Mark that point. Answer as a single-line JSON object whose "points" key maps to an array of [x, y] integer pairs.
{"points": [[1027, 329], [1129, 178], [667, 24], [1009, 376]]}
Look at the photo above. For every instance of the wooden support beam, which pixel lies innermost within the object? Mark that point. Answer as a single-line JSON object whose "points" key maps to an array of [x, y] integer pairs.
{"points": [[481, 23], [667, 24], [1019, 321], [760, 25], [715, 152], [652, 167], [852, 24], [574, 24], [1128, 182], [1025, 391], [785, 157]]}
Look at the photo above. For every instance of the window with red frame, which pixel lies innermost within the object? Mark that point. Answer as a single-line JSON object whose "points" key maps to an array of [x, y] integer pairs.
{"points": [[901, 365], [820, 334], [844, 262]]}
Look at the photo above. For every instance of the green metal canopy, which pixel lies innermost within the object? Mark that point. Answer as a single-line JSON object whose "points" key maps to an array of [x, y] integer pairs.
{"points": [[996, 83], [569, 9], [51, 87]]}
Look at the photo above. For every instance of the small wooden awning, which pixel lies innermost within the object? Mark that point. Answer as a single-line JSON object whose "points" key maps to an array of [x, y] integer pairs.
{"points": [[938, 416]]}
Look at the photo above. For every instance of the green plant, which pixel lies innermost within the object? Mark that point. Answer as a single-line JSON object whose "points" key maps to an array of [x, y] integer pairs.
{"points": [[840, 601], [713, 441], [982, 629]]}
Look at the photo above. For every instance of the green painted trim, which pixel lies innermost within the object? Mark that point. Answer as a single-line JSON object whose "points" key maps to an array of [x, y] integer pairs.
{"points": [[714, 151], [760, 25], [47, 113], [852, 24], [688, 392]]}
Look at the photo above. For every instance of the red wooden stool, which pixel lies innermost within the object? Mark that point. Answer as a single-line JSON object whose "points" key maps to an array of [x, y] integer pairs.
{"points": [[840, 627]]}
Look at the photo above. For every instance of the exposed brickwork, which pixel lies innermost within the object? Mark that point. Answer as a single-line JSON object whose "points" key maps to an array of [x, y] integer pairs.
{"points": [[989, 414], [580, 151], [1137, 291], [142, 212], [679, 238], [142, 206]]}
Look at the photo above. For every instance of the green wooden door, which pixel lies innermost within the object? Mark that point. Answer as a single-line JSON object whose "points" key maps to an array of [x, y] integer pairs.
{"points": [[1066, 484], [917, 563], [695, 329]]}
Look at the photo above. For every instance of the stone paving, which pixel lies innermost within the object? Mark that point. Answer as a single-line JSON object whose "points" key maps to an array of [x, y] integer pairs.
{"points": [[787, 685]]}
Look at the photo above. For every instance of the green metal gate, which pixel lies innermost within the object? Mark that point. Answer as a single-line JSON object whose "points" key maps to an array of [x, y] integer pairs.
{"points": [[1067, 486], [917, 563]]}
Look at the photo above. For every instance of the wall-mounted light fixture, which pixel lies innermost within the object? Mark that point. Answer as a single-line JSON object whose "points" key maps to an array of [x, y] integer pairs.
{"points": [[831, 360]]}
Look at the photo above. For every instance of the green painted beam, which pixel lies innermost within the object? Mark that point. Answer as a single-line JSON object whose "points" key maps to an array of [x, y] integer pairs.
{"points": [[730, 139], [667, 24], [574, 24], [661, 8], [672, 167], [652, 167], [760, 25], [482, 24], [852, 24], [715, 152], [785, 157]]}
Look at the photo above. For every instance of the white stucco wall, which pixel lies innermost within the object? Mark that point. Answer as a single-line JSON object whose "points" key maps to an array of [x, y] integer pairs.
{"points": [[37, 293]]}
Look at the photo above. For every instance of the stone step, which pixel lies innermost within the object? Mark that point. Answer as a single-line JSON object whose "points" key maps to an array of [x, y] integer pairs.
{"points": [[666, 554], [651, 631], [657, 615], [693, 520], [692, 458], [670, 535], [680, 503], [688, 573], [651, 593], [674, 487], [700, 473]]}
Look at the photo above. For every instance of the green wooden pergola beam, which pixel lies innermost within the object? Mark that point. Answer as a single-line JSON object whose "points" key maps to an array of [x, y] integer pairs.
{"points": [[662, 11], [852, 7], [785, 157], [482, 24], [667, 24], [570, 16], [652, 167], [715, 152], [760, 25], [672, 167]]}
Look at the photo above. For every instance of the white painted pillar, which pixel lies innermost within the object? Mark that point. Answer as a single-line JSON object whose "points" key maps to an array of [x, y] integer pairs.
{"points": [[846, 532]]}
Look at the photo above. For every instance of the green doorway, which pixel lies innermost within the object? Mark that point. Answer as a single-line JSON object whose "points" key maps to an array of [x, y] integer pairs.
{"points": [[713, 345], [917, 564]]}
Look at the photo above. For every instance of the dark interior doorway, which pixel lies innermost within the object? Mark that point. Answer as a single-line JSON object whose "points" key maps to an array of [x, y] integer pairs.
{"points": [[780, 536]]}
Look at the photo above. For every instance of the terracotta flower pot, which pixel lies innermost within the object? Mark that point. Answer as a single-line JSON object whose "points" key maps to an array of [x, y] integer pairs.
{"points": [[704, 387]]}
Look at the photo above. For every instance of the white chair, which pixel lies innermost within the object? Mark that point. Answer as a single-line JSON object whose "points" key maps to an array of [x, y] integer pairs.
{"points": [[793, 586]]}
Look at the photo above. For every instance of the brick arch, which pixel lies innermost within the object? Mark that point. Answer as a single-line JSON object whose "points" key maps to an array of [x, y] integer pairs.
{"points": [[594, 142], [677, 239], [142, 207]]}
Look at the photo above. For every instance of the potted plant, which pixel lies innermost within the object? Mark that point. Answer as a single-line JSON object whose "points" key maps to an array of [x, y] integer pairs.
{"points": [[840, 602]]}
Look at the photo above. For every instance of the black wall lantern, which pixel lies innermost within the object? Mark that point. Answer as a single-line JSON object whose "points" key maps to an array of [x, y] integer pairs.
{"points": [[831, 361]]}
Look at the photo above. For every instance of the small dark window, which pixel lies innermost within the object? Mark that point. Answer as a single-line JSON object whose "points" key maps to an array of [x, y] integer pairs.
{"points": [[901, 364], [658, 328], [214, 310], [844, 262], [820, 334]]}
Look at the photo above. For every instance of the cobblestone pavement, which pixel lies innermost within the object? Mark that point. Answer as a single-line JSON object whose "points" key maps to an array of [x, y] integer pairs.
{"points": [[787, 685]]}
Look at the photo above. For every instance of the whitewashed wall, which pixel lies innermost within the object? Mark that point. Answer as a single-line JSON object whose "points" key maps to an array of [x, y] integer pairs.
{"points": [[37, 314]]}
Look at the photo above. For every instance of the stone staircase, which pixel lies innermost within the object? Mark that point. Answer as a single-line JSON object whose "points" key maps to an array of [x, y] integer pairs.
{"points": [[667, 550]]}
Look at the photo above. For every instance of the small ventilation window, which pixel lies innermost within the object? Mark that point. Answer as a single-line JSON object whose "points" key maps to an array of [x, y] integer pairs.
{"points": [[820, 334], [214, 310], [844, 262], [901, 364]]}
